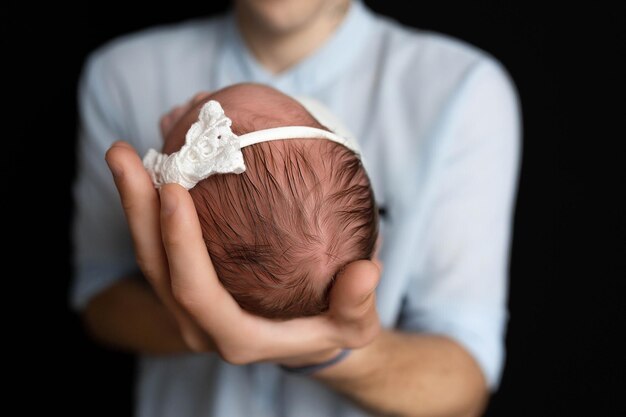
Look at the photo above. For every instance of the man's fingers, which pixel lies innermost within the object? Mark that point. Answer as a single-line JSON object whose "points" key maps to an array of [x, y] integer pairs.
{"points": [[352, 320], [240, 337], [203, 95], [353, 303], [167, 121], [291, 339], [194, 282], [355, 286], [141, 206]]}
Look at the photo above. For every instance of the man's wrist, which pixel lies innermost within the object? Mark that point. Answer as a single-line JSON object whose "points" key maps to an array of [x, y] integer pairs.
{"points": [[309, 369], [359, 366]]}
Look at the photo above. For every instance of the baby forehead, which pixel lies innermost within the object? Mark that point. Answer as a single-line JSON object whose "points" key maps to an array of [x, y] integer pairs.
{"points": [[247, 102], [251, 96], [316, 155]]}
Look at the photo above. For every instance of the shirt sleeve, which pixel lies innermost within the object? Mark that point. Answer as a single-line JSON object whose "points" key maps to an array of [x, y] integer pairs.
{"points": [[461, 290], [102, 247]]}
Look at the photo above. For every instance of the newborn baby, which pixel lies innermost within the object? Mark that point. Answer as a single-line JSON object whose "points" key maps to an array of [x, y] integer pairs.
{"points": [[282, 215]]}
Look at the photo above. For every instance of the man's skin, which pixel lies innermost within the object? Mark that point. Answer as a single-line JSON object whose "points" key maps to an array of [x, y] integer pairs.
{"points": [[186, 309]]}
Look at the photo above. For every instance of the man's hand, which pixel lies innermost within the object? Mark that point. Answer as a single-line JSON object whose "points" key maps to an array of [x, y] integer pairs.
{"points": [[169, 119], [392, 373], [173, 257]]}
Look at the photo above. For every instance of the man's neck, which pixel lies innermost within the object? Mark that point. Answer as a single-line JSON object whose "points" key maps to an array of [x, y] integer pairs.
{"points": [[278, 51]]}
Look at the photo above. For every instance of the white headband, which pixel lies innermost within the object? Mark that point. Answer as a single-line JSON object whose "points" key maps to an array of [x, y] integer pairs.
{"points": [[211, 147]]}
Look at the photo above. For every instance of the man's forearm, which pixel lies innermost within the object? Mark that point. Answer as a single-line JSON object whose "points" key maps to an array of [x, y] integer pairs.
{"points": [[404, 374], [129, 316]]}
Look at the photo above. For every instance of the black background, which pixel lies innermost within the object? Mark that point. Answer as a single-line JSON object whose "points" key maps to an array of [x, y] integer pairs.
{"points": [[568, 248]]}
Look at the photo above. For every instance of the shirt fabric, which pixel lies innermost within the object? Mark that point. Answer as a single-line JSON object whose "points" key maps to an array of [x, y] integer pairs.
{"points": [[439, 124]]}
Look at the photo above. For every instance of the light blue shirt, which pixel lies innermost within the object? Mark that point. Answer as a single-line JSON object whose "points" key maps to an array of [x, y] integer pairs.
{"points": [[439, 124]]}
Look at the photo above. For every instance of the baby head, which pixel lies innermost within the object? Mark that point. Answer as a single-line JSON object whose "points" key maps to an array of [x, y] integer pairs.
{"points": [[280, 232]]}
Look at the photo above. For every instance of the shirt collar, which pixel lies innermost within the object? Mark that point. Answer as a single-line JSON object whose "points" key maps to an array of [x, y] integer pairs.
{"points": [[324, 65]]}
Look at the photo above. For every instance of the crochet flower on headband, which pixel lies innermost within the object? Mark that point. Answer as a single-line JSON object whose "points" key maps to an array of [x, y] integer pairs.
{"points": [[211, 147]]}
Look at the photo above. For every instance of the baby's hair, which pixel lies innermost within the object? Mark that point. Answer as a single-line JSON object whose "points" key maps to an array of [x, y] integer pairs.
{"points": [[280, 232]]}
